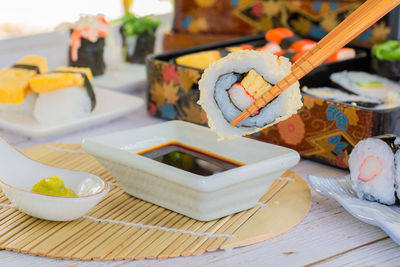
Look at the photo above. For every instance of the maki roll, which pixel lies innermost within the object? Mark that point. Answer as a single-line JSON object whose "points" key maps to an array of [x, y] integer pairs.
{"points": [[15, 94], [386, 59], [65, 95], [337, 95], [232, 83], [375, 169], [87, 43], [368, 85]]}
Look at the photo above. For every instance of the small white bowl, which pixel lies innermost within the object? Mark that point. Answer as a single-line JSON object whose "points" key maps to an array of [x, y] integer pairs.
{"points": [[19, 174], [200, 197]]}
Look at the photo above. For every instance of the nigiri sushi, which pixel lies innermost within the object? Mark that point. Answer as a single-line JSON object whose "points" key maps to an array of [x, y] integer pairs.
{"points": [[231, 84], [65, 95], [15, 93]]}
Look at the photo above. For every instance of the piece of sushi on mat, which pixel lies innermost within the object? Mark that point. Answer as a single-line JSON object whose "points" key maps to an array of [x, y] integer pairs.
{"points": [[232, 83], [372, 169], [64, 95]]}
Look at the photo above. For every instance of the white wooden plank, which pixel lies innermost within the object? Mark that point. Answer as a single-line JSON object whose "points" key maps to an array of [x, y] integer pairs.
{"points": [[384, 252]]}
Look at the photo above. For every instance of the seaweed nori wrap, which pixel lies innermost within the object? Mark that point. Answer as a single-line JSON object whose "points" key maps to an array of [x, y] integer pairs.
{"points": [[87, 43], [90, 55], [141, 46]]}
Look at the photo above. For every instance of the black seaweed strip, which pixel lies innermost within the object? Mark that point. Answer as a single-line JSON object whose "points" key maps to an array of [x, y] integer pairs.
{"points": [[27, 67], [287, 42], [86, 84]]}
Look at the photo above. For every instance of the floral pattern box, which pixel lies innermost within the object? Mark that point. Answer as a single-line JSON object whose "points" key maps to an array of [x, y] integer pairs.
{"points": [[312, 18], [323, 131]]}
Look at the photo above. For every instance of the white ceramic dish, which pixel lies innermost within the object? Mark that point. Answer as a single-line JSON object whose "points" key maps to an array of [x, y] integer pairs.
{"points": [[200, 197], [127, 77], [385, 217], [19, 174], [110, 105]]}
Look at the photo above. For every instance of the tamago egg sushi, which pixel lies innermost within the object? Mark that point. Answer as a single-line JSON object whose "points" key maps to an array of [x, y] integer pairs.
{"points": [[231, 84]]}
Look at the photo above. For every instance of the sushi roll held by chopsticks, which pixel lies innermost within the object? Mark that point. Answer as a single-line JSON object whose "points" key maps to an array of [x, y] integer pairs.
{"points": [[65, 95], [229, 85]]}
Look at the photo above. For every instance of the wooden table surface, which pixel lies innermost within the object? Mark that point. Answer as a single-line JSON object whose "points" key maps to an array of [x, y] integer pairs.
{"points": [[328, 235]]}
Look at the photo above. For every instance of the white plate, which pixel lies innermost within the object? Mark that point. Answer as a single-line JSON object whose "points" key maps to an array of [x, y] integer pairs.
{"points": [[385, 217], [110, 105], [127, 77]]}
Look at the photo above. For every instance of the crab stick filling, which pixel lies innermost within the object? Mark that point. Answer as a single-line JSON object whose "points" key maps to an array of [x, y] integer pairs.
{"points": [[342, 54], [252, 86], [370, 168]]}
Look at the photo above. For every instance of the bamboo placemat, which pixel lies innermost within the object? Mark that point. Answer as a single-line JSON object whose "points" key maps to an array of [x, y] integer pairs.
{"points": [[125, 227]]}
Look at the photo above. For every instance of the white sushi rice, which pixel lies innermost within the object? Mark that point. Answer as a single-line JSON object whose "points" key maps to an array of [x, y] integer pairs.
{"points": [[381, 188], [62, 106], [389, 92], [222, 72], [25, 108], [397, 172]]}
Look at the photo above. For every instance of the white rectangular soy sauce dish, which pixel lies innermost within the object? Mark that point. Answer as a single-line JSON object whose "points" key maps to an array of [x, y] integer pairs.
{"points": [[200, 197]]}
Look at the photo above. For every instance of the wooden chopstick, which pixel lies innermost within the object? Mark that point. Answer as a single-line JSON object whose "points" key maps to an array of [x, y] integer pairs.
{"points": [[366, 15]]}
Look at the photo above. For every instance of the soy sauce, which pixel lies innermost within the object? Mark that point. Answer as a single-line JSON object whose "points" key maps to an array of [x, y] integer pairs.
{"points": [[191, 159]]}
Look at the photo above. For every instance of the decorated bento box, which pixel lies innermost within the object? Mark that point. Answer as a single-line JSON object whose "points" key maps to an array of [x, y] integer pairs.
{"points": [[313, 18], [324, 130]]}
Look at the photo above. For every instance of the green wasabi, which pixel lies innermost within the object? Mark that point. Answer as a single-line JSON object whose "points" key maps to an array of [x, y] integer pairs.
{"points": [[53, 186]]}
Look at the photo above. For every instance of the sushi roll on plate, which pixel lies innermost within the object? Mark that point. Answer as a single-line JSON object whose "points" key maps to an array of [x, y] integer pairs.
{"points": [[231, 84], [65, 95], [374, 167]]}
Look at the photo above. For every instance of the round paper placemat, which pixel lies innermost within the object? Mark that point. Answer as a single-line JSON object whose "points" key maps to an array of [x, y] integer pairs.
{"points": [[125, 227]]}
